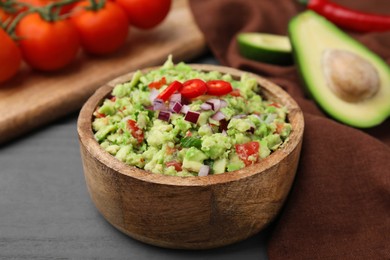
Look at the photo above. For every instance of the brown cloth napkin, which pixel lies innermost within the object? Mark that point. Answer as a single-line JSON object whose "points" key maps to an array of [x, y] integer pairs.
{"points": [[339, 206]]}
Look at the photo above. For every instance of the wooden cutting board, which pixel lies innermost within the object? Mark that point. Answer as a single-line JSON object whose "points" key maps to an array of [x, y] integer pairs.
{"points": [[33, 98]]}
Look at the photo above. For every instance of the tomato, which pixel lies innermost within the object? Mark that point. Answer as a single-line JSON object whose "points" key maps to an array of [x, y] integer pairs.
{"points": [[172, 88], [274, 104], [10, 57], [235, 93], [22, 8], [175, 164], [101, 31], [193, 88], [170, 150], [146, 14], [218, 87], [136, 132], [47, 46], [65, 9], [33, 2], [248, 152], [279, 128], [158, 84], [4, 15]]}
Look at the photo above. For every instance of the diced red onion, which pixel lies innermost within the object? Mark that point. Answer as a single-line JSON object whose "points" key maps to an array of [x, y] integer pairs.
{"points": [[215, 103], [164, 115], [251, 130], [184, 109], [224, 132], [204, 170], [218, 116], [206, 106], [192, 116], [270, 118], [176, 97], [159, 104], [260, 117], [239, 116], [175, 107], [153, 94], [223, 104], [223, 124]]}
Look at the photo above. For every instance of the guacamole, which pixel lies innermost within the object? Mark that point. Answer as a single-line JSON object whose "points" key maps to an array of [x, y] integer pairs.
{"points": [[183, 122]]}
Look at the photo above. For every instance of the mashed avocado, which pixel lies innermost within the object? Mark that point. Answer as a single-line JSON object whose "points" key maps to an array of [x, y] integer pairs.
{"points": [[150, 123]]}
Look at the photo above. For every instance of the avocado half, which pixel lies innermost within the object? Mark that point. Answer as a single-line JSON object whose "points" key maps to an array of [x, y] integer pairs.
{"points": [[264, 47], [346, 79]]}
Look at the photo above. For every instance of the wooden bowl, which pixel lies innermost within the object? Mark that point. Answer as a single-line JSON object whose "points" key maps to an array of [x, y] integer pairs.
{"points": [[190, 212]]}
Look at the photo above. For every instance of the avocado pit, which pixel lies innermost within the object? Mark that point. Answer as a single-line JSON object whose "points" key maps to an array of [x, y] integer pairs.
{"points": [[349, 76]]}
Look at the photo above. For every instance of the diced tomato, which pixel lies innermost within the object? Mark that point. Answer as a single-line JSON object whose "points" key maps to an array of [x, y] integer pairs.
{"points": [[274, 104], [175, 164], [247, 151], [235, 93], [170, 150], [218, 87], [98, 115], [279, 128], [188, 133], [136, 132], [172, 88], [158, 84], [193, 88]]}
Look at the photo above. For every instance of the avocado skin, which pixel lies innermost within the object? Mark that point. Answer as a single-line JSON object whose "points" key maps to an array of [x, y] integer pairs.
{"points": [[366, 114], [263, 55]]}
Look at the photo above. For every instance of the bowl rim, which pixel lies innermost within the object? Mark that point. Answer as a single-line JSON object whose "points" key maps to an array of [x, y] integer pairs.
{"points": [[268, 88]]}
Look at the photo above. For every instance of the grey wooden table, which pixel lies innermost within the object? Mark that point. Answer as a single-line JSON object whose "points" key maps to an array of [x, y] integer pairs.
{"points": [[46, 212]]}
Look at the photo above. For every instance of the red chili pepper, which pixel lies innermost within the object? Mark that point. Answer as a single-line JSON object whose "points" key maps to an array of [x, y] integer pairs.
{"points": [[349, 19], [172, 88], [158, 84]]}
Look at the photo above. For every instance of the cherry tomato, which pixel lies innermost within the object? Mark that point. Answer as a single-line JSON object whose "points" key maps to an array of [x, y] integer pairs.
{"points": [[10, 57], [65, 9], [218, 87], [9, 10], [193, 88], [146, 14], [172, 88], [47, 46], [101, 31], [136, 132], [34, 3], [248, 151], [4, 15]]}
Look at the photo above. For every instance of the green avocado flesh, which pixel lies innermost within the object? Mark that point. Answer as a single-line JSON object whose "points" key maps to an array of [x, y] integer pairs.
{"points": [[312, 38], [218, 133], [268, 48]]}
